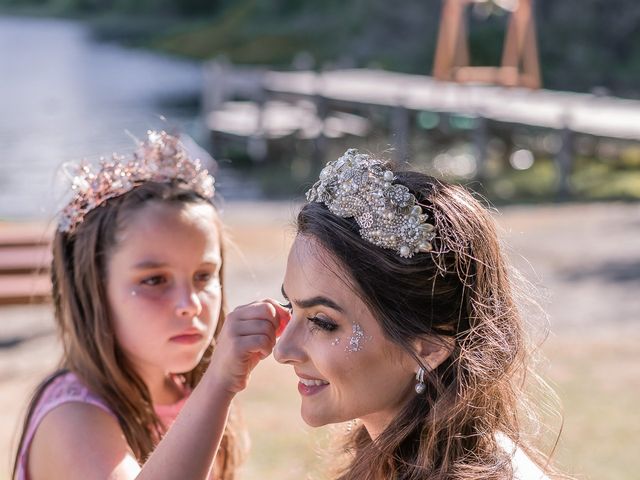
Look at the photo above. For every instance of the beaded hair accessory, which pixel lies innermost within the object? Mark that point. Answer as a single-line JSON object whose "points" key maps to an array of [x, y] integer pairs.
{"points": [[388, 215], [160, 158]]}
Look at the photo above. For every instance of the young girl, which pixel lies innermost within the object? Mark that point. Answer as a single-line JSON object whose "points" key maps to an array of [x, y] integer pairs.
{"points": [[404, 319], [139, 306]]}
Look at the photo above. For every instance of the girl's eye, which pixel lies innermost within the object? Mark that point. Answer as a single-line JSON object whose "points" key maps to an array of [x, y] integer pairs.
{"points": [[203, 277], [322, 324], [154, 280], [287, 305]]}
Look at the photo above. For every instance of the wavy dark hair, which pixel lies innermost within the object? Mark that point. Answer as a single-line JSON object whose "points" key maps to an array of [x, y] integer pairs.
{"points": [[79, 269], [463, 289]]}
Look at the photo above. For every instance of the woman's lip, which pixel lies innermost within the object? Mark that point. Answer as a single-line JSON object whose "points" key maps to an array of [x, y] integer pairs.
{"points": [[307, 377], [308, 390], [187, 338]]}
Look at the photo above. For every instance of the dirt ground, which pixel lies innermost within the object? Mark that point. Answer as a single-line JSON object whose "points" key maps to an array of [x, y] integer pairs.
{"points": [[583, 261]]}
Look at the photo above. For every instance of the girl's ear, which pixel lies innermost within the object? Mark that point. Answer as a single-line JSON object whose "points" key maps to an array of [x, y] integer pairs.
{"points": [[434, 349]]}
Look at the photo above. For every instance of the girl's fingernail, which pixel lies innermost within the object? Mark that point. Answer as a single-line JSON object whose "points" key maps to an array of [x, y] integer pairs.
{"points": [[284, 320]]}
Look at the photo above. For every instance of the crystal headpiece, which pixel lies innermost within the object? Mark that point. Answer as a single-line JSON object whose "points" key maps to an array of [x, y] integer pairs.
{"points": [[160, 158], [388, 215]]}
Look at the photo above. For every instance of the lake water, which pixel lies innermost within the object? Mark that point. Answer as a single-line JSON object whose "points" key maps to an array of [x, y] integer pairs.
{"points": [[64, 97]]}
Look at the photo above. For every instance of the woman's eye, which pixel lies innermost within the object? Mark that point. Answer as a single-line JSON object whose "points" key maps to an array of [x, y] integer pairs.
{"points": [[322, 324], [287, 305], [154, 280]]}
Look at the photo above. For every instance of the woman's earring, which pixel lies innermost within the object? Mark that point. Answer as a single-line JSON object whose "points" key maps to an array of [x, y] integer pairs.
{"points": [[420, 386]]}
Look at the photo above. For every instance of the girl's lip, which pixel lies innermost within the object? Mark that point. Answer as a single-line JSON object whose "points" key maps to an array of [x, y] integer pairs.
{"points": [[187, 338]]}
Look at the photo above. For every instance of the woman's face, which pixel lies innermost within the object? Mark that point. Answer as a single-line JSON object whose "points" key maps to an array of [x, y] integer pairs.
{"points": [[346, 366], [163, 286]]}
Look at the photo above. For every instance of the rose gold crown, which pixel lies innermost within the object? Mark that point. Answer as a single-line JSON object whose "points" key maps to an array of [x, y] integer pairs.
{"points": [[161, 158]]}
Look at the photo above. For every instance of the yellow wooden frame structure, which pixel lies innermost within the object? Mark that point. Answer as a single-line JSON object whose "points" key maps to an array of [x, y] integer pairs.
{"points": [[520, 66]]}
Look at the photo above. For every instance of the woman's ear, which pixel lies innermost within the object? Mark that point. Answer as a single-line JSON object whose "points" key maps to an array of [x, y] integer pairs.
{"points": [[434, 349]]}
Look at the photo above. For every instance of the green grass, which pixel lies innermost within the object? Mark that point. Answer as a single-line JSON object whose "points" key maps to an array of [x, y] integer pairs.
{"points": [[598, 379], [590, 179]]}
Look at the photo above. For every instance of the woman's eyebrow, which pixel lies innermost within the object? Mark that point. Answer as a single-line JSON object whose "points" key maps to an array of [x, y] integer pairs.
{"points": [[315, 301]]}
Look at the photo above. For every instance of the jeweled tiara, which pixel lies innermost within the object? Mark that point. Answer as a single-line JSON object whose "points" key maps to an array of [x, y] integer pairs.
{"points": [[359, 186], [160, 158]]}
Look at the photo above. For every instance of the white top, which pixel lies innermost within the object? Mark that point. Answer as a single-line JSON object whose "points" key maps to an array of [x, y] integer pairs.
{"points": [[523, 467]]}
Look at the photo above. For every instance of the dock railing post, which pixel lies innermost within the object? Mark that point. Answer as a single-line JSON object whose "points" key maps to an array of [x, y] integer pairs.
{"points": [[400, 131], [564, 161], [479, 137], [214, 84], [257, 144], [214, 81], [322, 110]]}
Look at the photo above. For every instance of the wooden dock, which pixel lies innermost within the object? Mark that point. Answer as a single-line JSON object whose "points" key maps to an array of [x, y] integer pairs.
{"points": [[359, 90], [581, 113]]}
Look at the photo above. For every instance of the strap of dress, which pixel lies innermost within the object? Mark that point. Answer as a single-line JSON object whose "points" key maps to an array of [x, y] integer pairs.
{"points": [[63, 389]]}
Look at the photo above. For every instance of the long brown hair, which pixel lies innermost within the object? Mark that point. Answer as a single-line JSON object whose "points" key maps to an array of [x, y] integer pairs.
{"points": [[82, 315], [462, 290]]}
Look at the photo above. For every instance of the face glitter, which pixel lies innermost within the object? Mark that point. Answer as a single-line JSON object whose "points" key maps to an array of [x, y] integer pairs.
{"points": [[357, 338], [214, 286], [133, 293], [336, 341]]}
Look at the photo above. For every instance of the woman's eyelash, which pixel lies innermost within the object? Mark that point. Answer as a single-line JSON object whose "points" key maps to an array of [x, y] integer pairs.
{"points": [[287, 305], [318, 323], [322, 324]]}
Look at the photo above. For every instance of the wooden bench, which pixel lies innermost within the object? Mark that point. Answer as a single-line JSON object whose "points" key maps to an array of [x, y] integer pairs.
{"points": [[25, 288], [25, 259], [14, 234]]}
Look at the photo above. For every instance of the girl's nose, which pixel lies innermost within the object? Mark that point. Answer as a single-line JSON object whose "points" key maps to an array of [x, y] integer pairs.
{"points": [[188, 303], [289, 348]]}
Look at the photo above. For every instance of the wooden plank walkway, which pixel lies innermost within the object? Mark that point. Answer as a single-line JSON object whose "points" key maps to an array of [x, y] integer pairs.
{"points": [[582, 113], [25, 258]]}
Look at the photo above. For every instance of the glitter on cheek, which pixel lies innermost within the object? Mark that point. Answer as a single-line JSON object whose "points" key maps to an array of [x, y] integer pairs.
{"points": [[133, 293], [357, 338], [336, 341], [213, 287]]}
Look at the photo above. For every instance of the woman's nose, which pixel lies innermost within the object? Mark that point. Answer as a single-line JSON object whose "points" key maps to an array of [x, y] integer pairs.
{"points": [[188, 303], [289, 348]]}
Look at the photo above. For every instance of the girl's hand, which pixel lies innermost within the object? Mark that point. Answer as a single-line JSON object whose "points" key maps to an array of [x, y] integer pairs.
{"points": [[248, 336]]}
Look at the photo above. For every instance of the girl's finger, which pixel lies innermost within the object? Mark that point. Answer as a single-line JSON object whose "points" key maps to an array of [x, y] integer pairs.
{"points": [[254, 327], [257, 310], [283, 315], [260, 344]]}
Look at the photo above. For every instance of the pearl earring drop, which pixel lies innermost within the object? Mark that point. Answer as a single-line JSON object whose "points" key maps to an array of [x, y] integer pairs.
{"points": [[420, 386]]}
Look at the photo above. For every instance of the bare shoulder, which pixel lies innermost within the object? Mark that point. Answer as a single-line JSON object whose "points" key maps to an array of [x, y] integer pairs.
{"points": [[80, 441]]}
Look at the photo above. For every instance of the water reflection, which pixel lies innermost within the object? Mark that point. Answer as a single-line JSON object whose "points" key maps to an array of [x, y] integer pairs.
{"points": [[65, 97]]}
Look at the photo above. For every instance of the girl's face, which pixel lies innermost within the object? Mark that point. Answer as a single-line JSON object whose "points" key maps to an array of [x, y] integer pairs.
{"points": [[346, 366], [163, 286]]}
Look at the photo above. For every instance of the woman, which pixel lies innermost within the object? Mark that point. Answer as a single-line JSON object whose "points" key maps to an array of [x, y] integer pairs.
{"points": [[403, 317]]}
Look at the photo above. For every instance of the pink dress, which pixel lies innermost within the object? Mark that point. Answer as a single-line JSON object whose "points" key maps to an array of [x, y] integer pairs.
{"points": [[68, 388]]}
